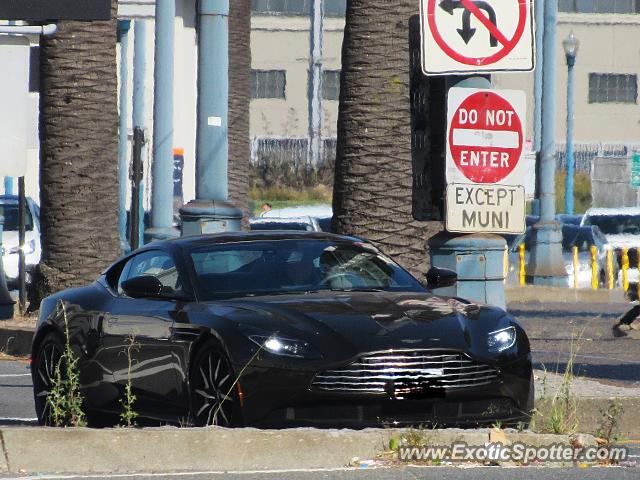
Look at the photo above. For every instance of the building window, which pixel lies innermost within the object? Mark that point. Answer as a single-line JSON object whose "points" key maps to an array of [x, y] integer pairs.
{"points": [[331, 84], [335, 8], [332, 8], [599, 6], [268, 83], [612, 88]]}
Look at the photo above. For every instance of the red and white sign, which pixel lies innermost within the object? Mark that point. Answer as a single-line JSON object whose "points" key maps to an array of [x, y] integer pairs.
{"points": [[460, 36], [485, 135], [485, 170]]}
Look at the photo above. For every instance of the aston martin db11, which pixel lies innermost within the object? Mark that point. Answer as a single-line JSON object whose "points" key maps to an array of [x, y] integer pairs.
{"points": [[278, 329]]}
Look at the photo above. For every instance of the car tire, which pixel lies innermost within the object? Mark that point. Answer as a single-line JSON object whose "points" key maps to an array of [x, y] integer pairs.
{"points": [[46, 360], [213, 398]]}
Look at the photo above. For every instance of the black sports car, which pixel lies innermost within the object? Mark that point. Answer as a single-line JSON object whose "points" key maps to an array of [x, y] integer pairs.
{"points": [[282, 328]]}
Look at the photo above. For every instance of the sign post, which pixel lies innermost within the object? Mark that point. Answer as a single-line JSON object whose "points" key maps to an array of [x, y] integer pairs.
{"points": [[473, 36]]}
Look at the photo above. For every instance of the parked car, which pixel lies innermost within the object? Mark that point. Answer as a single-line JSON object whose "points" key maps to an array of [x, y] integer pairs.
{"points": [[10, 243], [572, 235], [318, 216], [622, 229], [283, 328], [563, 218]]}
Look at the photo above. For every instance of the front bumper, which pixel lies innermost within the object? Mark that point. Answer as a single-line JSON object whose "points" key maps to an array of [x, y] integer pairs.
{"points": [[286, 400]]}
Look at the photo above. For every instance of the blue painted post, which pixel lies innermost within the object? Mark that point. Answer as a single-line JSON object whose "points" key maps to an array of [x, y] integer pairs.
{"points": [[547, 264], [123, 129], [537, 89], [211, 212], [568, 198], [139, 72], [162, 167], [570, 45], [8, 185], [478, 259], [537, 112]]}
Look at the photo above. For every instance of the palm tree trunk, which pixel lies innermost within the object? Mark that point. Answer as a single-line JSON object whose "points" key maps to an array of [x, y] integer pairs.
{"points": [[79, 154], [239, 103], [374, 173]]}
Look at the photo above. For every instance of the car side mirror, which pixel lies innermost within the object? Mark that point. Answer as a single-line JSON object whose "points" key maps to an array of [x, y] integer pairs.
{"points": [[144, 286], [440, 278]]}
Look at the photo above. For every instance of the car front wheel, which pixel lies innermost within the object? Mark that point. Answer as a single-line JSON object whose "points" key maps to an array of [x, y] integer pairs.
{"points": [[44, 370], [213, 395]]}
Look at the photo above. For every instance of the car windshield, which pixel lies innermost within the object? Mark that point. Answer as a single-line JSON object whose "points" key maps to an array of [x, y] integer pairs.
{"points": [[289, 266], [615, 224], [10, 213]]}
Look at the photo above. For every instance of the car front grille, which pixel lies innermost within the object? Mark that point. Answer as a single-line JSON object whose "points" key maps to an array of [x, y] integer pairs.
{"points": [[379, 372]]}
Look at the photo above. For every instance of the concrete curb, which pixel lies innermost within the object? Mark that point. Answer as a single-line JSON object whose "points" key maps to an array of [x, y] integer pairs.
{"points": [[541, 294], [16, 341], [48, 450]]}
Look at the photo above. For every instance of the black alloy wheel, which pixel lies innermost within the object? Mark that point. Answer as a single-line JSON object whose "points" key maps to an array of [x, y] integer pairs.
{"points": [[44, 367], [213, 396]]}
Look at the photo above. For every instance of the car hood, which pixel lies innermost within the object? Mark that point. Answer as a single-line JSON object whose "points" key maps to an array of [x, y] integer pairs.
{"points": [[356, 322], [10, 238]]}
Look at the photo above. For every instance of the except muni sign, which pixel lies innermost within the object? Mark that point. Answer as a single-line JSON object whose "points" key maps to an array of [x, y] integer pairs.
{"points": [[44, 10]]}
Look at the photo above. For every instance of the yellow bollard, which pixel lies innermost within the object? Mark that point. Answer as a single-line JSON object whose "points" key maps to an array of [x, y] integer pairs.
{"points": [[522, 276], [594, 267], [638, 257], [625, 268], [505, 263], [610, 279], [575, 266]]}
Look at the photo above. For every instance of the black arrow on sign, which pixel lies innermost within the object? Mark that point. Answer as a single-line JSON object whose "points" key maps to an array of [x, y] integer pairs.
{"points": [[466, 32]]}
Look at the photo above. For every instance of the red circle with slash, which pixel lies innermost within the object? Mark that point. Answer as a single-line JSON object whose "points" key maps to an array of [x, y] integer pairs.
{"points": [[507, 44]]}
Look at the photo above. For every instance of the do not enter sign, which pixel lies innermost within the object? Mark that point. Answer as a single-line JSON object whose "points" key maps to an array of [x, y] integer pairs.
{"points": [[485, 135]]}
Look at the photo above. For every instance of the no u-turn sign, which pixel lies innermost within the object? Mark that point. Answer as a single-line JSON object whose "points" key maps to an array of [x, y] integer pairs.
{"points": [[461, 36]]}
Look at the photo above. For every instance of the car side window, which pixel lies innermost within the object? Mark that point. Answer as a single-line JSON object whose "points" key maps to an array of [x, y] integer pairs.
{"points": [[154, 263]]}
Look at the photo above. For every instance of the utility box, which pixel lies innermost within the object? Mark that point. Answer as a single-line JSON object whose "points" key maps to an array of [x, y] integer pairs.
{"points": [[201, 217], [479, 261]]}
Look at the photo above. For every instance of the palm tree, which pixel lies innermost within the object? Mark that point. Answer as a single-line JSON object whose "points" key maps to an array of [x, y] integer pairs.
{"points": [[374, 173], [79, 154], [239, 100]]}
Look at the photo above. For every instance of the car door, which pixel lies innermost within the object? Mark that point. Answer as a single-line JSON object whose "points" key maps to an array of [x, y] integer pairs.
{"points": [[136, 338]]}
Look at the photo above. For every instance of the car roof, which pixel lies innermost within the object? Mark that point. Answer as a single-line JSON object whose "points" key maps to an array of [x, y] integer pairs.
{"points": [[635, 211]]}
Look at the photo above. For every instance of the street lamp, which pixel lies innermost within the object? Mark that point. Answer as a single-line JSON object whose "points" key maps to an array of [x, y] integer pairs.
{"points": [[571, 45]]}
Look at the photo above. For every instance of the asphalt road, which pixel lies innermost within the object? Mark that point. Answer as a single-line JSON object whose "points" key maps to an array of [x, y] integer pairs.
{"points": [[16, 394], [408, 473]]}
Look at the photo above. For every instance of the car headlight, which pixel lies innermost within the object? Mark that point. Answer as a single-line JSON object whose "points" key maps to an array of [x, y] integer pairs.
{"points": [[287, 347], [501, 340]]}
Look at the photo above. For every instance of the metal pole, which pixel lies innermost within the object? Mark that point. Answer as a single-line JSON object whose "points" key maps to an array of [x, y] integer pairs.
{"points": [[315, 84], [139, 72], [568, 197], [212, 143], [8, 185], [546, 255], [537, 112], [162, 167], [211, 212], [123, 36], [22, 204]]}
